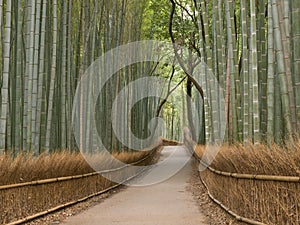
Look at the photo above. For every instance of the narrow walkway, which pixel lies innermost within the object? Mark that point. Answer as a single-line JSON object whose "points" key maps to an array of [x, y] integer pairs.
{"points": [[166, 203]]}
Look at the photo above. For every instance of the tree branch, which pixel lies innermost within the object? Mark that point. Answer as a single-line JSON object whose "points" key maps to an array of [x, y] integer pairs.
{"points": [[179, 59]]}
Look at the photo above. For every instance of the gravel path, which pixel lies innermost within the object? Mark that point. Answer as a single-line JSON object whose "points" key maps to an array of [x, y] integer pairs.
{"points": [[165, 203]]}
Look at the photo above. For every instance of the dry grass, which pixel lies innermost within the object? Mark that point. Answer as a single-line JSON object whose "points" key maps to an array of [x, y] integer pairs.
{"points": [[257, 159], [25, 168], [20, 202], [167, 142], [265, 201]]}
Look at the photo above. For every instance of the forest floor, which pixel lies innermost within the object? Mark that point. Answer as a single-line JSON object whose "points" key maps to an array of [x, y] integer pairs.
{"points": [[179, 200]]}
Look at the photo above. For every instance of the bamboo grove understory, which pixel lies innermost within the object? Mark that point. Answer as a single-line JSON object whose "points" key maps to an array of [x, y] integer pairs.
{"points": [[251, 47]]}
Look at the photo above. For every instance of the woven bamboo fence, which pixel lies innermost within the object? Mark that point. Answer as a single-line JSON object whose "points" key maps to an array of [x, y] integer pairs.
{"points": [[252, 198], [23, 202]]}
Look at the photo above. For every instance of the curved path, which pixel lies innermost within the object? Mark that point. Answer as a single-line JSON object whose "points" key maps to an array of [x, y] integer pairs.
{"points": [[166, 203]]}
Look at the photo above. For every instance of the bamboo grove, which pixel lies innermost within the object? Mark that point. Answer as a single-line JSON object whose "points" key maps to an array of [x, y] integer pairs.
{"points": [[46, 45], [251, 47]]}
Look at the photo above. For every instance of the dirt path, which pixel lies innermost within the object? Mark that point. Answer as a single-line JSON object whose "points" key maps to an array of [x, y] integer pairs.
{"points": [[165, 203]]}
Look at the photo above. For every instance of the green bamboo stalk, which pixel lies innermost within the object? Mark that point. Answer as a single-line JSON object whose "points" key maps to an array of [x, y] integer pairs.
{"points": [[250, 97], [285, 7], [254, 72], [231, 14], [218, 91], [281, 70], [5, 77], [52, 79], [41, 75], [46, 74], [218, 11], [63, 124], [271, 82], [245, 68], [91, 135], [221, 45], [206, 114], [237, 81], [232, 71], [279, 123], [83, 66], [70, 76], [1, 18], [1, 34], [26, 75], [207, 41], [284, 31], [19, 77], [30, 73], [210, 77], [208, 89], [262, 66], [34, 90], [295, 21]]}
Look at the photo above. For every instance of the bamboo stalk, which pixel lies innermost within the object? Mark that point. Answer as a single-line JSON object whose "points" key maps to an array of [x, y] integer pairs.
{"points": [[295, 14], [245, 70], [52, 79], [270, 83], [232, 70], [5, 78], [254, 72], [282, 78]]}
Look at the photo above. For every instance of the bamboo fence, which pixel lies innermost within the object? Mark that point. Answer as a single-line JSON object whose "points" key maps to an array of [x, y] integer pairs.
{"points": [[189, 143], [59, 179], [62, 206], [262, 177], [68, 178]]}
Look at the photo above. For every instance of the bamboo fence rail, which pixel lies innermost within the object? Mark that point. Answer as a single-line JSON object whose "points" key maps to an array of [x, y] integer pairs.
{"points": [[262, 177], [290, 179], [59, 179], [189, 143], [226, 209], [62, 206]]}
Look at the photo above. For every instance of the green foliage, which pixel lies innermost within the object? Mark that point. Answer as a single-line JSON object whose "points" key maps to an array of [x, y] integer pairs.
{"points": [[46, 47]]}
